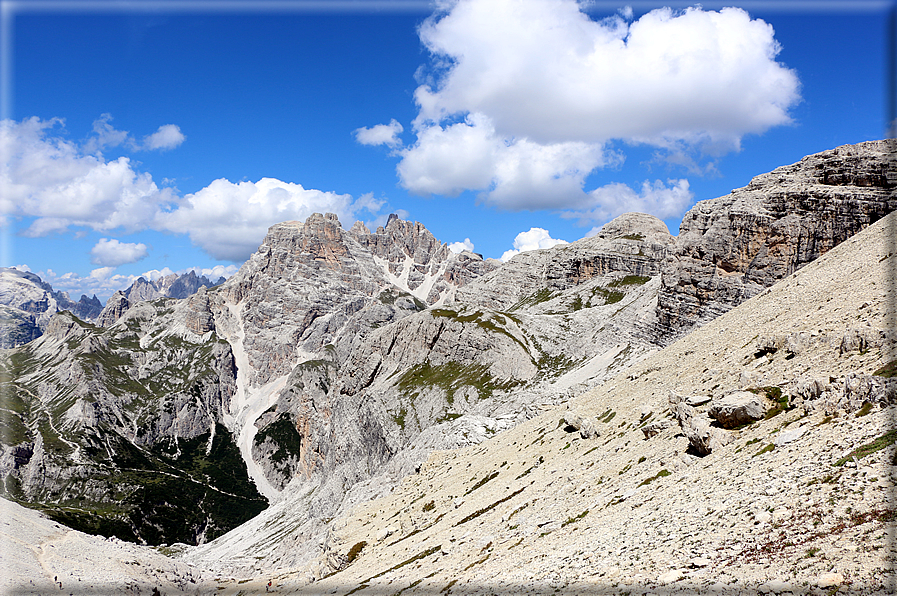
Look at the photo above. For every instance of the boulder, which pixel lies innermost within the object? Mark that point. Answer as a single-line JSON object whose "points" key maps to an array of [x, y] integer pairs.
{"points": [[737, 409], [585, 425], [702, 438], [655, 428]]}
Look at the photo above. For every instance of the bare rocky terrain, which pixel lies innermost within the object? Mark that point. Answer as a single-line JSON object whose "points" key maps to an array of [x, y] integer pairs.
{"points": [[519, 427]]}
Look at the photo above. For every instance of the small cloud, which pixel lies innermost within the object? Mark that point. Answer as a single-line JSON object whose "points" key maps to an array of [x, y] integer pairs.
{"points": [[105, 135], [101, 274], [381, 134], [109, 252], [459, 247], [533, 239], [24, 268], [167, 137]]}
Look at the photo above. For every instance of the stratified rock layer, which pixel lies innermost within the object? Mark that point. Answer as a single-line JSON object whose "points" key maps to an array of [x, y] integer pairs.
{"points": [[732, 247]]}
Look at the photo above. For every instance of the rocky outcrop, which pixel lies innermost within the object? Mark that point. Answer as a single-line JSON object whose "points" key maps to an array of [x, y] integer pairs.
{"points": [[738, 408], [538, 510], [633, 244], [732, 247], [115, 307]]}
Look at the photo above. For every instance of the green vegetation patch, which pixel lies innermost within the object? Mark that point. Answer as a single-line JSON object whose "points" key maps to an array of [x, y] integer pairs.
{"points": [[491, 476], [283, 433], [629, 280], [543, 295], [775, 394], [766, 449], [450, 377], [885, 440], [155, 497], [571, 520], [660, 474], [488, 508], [888, 370]]}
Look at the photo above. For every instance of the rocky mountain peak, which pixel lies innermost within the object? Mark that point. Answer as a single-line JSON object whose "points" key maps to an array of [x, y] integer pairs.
{"points": [[636, 226]]}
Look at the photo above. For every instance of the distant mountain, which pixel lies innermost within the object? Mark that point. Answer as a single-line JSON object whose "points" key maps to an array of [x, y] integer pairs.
{"points": [[27, 303], [335, 361]]}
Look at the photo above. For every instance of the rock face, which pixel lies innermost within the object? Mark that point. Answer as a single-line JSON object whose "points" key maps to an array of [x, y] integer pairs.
{"points": [[732, 247], [118, 431], [169, 286], [633, 244]]}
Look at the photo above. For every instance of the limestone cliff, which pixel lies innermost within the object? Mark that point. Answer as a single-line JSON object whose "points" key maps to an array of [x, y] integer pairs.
{"points": [[732, 247]]}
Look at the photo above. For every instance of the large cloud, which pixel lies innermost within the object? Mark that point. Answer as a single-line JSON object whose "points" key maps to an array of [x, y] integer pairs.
{"points": [[62, 185], [526, 95], [109, 252], [53, 180], [229, 220]]}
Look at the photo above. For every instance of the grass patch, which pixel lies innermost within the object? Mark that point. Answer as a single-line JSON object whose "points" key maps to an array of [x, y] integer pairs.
{"points": [[885, 440], [867, 407], [488, 508], [571, 520], [629, 280], [491, 476], [450, 377], [660, 474], [888, 370], [766, 449], [543, 295]]}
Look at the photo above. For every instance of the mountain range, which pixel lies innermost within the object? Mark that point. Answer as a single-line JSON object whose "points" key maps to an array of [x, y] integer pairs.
{"points": [[338, 407]]}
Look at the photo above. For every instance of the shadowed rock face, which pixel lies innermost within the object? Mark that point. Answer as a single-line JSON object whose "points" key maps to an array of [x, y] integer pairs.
{"points": [[732, 247]]}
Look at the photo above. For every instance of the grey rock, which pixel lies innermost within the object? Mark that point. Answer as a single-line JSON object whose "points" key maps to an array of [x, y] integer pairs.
{"points": [[655, 428], [738, 408], [732, 247], [115, 307], [702, 438]]}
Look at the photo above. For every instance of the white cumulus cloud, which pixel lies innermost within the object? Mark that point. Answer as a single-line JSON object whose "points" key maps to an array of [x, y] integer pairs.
{"points": [[229, 220], [459, 247], [57, 183], [532, 239], [109, 252], [61, 186], [656, 198], [168, 136], [380, 134], [523, 97]]}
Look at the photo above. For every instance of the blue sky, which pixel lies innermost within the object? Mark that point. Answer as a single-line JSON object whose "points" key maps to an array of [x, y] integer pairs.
{"points": [[140, 136]]}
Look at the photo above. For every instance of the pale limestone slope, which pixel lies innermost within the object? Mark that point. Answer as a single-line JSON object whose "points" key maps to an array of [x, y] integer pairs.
{"points": [[731, 521]]}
